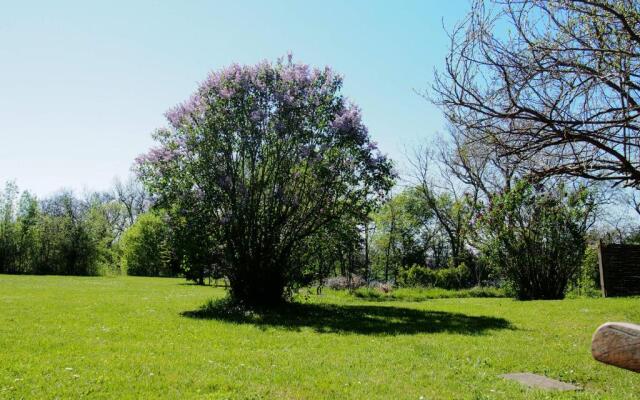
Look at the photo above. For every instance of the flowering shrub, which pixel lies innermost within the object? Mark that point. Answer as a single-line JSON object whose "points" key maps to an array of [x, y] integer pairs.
{"points": [[344, 282], [266, 155]]}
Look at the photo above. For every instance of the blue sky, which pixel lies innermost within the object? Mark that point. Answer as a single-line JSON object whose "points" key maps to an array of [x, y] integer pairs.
{"points": [[83, 84]]}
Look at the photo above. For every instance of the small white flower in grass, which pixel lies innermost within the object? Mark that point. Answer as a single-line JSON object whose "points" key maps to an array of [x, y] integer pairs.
{"points": [[150, 373], [75, 376], [69, 369]]}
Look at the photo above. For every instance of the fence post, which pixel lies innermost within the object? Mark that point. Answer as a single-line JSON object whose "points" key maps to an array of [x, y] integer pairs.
{"points": [[600, 267]]}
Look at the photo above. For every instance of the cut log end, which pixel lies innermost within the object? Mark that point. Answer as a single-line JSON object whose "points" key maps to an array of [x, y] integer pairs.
{"points": [[617, 343]]}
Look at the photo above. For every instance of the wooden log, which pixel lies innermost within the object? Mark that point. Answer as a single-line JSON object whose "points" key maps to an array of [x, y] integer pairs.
{"points": [[617, 343]]}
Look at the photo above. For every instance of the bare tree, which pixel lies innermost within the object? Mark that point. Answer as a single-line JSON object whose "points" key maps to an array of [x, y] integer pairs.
{"points": [[449, 199], [633, 200], [133, 196], [477, 165], [554, 83]]}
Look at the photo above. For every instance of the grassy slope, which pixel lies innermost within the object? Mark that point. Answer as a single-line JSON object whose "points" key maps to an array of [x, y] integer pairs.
{"points": [[126, 338]]}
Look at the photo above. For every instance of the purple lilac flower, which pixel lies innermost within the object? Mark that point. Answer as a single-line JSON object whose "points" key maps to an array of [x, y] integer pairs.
{"points": [[140, 160], [159, 155], [226, 92], [212, 81], [348, 120], [305, 151], [184, 111], [257, 116], [224, 84]]}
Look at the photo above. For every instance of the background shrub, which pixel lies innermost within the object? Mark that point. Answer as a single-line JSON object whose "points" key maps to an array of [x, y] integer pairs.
{"points": [[421, 293], [345, 282], [587, 281], [145, 247], [535, 239], [446, 278]]}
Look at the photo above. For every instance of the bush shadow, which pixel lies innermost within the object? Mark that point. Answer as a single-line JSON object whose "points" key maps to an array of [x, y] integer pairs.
{"points": [[359, 319]]}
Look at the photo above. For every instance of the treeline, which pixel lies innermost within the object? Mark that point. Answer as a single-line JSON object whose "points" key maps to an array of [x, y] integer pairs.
{"points": [[65, 234], [472, 218], [529, 238], [464, 223], [57, 235], [100, 233]]}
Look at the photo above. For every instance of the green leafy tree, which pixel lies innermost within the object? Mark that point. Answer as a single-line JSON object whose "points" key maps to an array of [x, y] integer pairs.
{"points": [[8, 243], [28, 234], [535, 238], [336, 249], [70, 247], [194, 249], [398, 235]]}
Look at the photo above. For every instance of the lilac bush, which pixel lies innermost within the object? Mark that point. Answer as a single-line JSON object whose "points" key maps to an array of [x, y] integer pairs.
{"points": [[345, 282], [269, 154]]}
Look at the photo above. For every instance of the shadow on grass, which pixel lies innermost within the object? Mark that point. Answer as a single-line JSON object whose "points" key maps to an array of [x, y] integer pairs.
{"points": [[360, 319], [194, 284]]}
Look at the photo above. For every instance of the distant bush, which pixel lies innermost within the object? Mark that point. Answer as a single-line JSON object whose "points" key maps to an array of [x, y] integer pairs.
{"points": [[144, 247], [446, 278], [589, 277], [344, 282], [587, 280], [535, 238], [420, 294]]}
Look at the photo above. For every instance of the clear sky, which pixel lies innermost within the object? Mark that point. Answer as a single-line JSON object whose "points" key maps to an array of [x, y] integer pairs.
{"points": [[83, 84]]}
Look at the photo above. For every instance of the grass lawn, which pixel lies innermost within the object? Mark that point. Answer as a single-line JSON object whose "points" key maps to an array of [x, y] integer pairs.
{"points": [[71, 337]]}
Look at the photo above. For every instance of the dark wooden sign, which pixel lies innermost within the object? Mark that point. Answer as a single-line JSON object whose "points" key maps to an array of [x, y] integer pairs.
{"points": [[619, 269]]}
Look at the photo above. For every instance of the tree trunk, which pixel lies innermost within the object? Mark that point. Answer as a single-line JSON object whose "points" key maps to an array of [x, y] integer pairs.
{"points": [[366, 253], [257, 285]]}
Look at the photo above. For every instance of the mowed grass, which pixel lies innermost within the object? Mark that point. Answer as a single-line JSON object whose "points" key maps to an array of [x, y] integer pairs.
{"points": [[124, 337]]}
